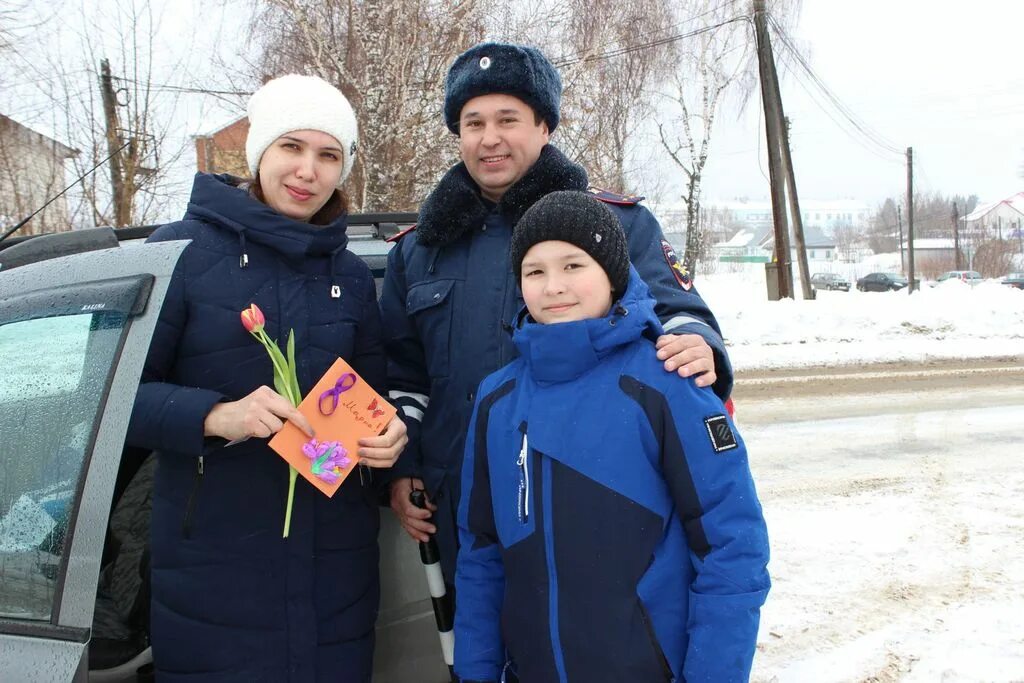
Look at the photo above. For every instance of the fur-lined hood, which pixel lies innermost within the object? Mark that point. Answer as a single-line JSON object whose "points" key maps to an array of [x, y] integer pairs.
{"points": [[456, 208]]}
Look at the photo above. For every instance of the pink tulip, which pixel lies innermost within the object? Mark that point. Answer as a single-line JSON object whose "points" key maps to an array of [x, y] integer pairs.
{"points": [[252, 319]]}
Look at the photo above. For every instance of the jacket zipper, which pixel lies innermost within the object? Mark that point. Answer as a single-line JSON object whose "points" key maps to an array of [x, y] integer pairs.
{"points": [[186, 525], [658, 652], [524, 481]]}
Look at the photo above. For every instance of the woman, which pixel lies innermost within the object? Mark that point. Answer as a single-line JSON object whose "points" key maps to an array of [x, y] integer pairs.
{"points": [[232, 599]]}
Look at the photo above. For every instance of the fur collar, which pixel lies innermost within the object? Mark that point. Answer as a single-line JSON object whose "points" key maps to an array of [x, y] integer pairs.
{"points": [[456, 208]]}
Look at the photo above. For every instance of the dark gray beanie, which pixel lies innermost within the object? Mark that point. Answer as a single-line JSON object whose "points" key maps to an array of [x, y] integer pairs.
{"points": [[576, 218], [516, 70]]}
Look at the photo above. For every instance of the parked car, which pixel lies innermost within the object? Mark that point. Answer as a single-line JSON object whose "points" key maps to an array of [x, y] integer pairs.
{"points": [[830, 281], [77, 311], [1015, 280], [971, 277], [882, 282]]}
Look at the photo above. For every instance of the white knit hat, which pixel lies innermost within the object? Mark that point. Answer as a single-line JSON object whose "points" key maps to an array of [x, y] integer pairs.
{"points": [[296, 102]]}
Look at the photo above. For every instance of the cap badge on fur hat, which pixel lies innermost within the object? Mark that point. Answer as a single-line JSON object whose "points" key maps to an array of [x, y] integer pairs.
{"points": [[505, 69], [597, 237]]}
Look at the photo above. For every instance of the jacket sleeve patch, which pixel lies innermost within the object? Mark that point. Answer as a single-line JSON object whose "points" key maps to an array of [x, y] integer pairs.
{"points": [[680, 273], [722, 438]]}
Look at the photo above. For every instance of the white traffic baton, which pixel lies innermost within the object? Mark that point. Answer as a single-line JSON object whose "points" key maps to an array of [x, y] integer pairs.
{"points": [[444, 612]]}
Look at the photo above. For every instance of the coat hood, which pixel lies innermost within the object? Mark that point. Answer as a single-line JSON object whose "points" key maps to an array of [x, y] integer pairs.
{"points": [[455, 207], [560, 352], [219, 201]]}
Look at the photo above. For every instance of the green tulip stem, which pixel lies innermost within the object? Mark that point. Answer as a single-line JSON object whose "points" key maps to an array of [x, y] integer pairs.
{"points": [[292, 476]]}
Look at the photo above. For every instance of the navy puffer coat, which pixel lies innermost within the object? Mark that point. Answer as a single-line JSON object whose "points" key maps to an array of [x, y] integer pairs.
{"points": [[232, 600]]}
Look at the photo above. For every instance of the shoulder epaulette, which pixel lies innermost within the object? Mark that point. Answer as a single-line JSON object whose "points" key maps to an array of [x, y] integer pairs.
{"points": [[399, 235], [614, 197]]}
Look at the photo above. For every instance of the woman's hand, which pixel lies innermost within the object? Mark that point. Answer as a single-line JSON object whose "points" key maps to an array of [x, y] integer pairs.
{"points": [[260, 414], [383, 450]]}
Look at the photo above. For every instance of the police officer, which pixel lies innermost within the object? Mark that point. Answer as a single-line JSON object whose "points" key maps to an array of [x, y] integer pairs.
{"points": [[450, 299]]}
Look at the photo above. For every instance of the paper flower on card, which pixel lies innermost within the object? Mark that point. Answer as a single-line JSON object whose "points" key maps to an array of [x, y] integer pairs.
{"points": [[286, 382], [329, 459]]}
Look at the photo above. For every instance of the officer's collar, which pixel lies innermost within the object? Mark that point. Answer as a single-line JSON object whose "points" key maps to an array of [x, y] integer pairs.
{"points": [[456, 208]]}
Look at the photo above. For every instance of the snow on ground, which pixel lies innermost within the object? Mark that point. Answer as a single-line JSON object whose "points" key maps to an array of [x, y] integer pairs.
{"points": [[896, 547], [950, 320]]}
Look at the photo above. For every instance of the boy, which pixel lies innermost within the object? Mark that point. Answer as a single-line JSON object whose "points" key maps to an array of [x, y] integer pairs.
{"points": [[609, 527]]}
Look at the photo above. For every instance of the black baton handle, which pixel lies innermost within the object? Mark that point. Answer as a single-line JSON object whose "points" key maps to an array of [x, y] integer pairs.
{"points": [[429, 554]]}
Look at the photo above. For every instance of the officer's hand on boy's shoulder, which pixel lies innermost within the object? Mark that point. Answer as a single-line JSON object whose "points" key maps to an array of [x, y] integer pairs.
{"points": [[413, 519], [689, 355]]}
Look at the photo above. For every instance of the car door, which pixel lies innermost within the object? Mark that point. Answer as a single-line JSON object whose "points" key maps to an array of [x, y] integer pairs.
{"points": [[74, 333]]}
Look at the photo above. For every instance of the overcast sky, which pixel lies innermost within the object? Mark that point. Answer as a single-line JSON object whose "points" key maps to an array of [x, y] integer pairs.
{"points": [[942, 77], [945, 78]]}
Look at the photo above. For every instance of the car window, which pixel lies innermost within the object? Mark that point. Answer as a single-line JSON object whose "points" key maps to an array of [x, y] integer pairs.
{"points": [[56, 369]]}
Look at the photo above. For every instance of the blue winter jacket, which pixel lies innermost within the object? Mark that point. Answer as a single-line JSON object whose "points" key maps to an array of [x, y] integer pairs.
{"points": [[449, 299], [232, 600], [609, 526]]}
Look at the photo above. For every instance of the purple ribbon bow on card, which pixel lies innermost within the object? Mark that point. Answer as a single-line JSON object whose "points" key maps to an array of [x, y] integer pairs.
{"points": [[344, 383]]}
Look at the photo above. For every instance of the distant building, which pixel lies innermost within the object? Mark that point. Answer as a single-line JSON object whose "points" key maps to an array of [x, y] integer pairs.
{"points": [[1003, 219], [758, 245], [31, 173], [934, 246], [223, 150], [932, 254], [825, 215]]}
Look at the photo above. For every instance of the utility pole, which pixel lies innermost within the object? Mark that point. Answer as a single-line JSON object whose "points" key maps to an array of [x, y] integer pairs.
{"points": [[772, 102], [956, 238], [910, 218], [122, 200], [899, 227], [794, 208]]}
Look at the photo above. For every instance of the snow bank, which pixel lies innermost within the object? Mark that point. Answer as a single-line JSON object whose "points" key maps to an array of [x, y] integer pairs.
{"points": [[950, 320]]}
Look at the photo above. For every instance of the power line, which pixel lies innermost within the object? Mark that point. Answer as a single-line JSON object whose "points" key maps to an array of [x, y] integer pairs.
{"points": [[663, 29], [627, 49], [560, 63], [167, 87], [847, 113]]}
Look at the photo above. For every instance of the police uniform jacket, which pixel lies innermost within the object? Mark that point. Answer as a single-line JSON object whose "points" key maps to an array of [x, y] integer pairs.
{"points": [[449, 298]]}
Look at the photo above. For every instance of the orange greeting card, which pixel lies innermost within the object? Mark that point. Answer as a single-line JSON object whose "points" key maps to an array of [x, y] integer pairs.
{"points": [[342, 408]]}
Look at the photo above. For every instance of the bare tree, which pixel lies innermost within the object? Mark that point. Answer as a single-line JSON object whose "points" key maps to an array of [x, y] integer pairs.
{"points": [[610, 77], [138, 129], [709, 64], [994, 257], [847, 238], [128, 189], [390, 58], [716, 61]]}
